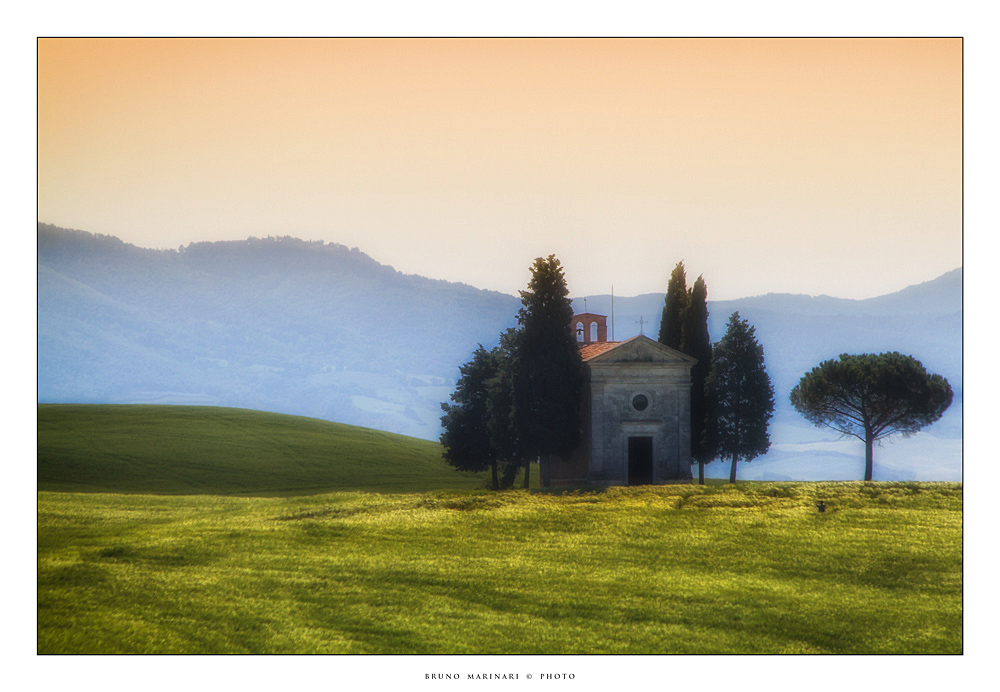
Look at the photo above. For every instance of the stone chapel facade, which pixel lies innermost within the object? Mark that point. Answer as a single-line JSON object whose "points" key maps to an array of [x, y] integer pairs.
{"points": [[636, 411]]}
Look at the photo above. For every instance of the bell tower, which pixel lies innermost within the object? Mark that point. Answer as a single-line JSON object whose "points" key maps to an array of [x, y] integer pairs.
{"points": [[589, 328]]}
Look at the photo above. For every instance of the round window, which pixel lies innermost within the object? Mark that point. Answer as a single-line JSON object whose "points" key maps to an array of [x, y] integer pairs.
{"points": [[640, 402]]}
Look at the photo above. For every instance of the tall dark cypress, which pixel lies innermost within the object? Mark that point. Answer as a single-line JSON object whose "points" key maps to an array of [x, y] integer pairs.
{"points": [[671, 327], [548, 371], [697, 343]]}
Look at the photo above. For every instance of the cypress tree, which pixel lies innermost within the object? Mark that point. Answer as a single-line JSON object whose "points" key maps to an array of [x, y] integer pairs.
{"points": [[466, 437], [500, 406], [741, 398], [479, 429], [548, 371], [697, 343], [671, 329]]}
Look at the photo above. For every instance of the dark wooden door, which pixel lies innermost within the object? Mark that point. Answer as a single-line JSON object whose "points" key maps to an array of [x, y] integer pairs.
{"points": [[640, 460]]}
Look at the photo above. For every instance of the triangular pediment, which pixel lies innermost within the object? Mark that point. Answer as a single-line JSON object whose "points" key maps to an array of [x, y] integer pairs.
{"points": [[641, 349]]}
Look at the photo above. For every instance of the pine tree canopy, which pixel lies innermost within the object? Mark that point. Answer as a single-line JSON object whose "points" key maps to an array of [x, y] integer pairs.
{"points": [[884, 394], [872, 397]]}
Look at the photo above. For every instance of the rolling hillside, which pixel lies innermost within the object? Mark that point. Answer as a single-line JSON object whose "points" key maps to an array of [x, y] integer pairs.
{"points": [[320, 330], [193, 450]]}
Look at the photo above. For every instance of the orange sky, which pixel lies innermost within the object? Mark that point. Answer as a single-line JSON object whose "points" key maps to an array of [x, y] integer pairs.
{"points": [[814, 166]]}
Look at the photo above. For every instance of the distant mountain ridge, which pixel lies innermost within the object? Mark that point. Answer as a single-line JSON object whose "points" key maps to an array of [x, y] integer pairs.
{"points": [[276, 324], [940, 296], [318, 329], [798, 331]]}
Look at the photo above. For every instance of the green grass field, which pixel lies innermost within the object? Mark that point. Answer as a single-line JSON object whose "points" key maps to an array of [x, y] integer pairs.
{"points": [[275, 568], [223, 451]]}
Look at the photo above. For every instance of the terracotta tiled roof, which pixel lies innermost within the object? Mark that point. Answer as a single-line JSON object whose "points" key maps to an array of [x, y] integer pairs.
{"points": [[591, 350]]}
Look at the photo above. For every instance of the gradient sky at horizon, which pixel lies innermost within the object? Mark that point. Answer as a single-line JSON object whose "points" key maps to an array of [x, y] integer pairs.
{"points": [[819, 166]]}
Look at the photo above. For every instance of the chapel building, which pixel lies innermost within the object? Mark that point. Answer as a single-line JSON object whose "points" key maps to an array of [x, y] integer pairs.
{"points": [[636, 411]]}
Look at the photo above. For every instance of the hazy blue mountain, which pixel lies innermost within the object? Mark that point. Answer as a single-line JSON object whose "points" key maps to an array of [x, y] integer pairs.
{"points": [[277, 324], [322, 330]]}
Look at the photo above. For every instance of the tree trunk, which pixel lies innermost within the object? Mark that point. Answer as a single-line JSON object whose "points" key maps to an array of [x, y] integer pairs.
{"points": [[496, 481], [732, 471], [527, 472], [869, 442], [701, 473]]}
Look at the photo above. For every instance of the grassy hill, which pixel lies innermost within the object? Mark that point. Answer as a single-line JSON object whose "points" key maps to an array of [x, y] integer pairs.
{"points": [[166, 529], [224, 451], [750, 568]]}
